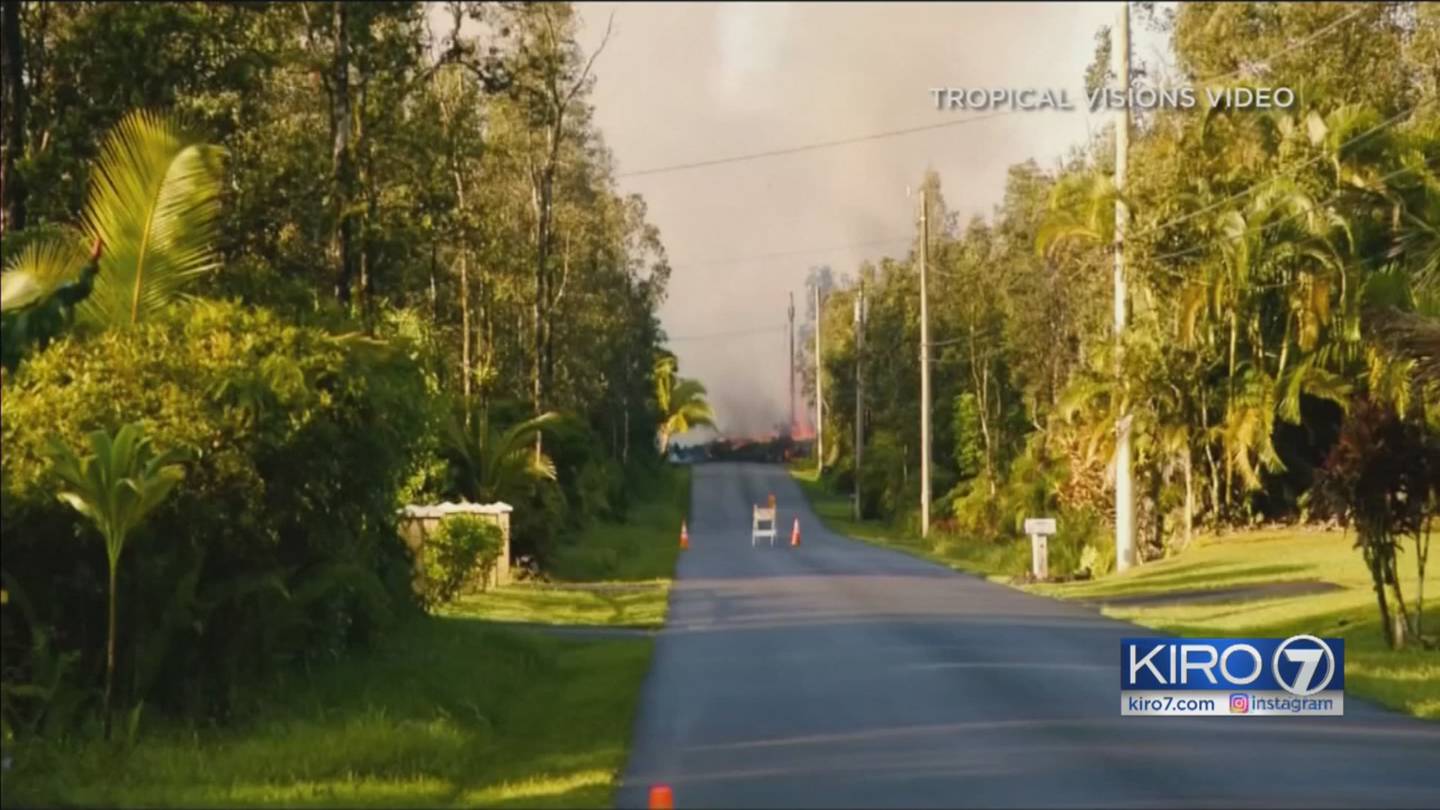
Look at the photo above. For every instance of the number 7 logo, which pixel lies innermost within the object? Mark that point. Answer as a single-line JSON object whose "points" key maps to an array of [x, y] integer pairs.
{"points": [[1309, 660]]}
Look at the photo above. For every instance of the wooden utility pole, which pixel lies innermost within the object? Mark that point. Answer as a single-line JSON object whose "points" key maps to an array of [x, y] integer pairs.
{"points": [[819, 395], [859, 390], [924, 365], [1124, 483], [790, 414]]}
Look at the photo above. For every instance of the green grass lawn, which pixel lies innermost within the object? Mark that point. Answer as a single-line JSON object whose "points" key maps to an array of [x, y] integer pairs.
{"points": [[525, 602], [450, 710], [1408, 680], [996, 560], [614, 574]]}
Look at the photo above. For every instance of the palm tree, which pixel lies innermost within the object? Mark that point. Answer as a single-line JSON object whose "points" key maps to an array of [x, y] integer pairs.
{"points": [[114, 486], [490, 463], [154, 203], [682, 402]]}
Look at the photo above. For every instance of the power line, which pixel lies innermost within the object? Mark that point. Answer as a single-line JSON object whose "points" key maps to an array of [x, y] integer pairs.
{"points": [[1306, 40], [1282, 220], [790, 150], [782, 254], [732, 333]]}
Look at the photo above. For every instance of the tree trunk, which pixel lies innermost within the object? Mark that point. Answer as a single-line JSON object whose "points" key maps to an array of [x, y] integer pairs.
{"points": [[372, 208], [1189, 469], [12, 186], [540, 196], [466, 386], [1422, 554], [341, 261], [466, 364], [1229, 411], [434, 293], [1210, 458], [109, 656], [980, 375], [1377, 575], [1402, 617]]}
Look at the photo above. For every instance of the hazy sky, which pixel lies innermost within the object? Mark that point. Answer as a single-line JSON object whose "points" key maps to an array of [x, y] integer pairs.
{"points": [[684, 82]]}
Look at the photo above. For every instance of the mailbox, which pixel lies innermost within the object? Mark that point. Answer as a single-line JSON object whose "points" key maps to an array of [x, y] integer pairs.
{"points": [[1039, 530]]}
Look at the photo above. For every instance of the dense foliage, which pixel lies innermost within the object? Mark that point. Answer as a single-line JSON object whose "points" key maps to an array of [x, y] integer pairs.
{"points": [[1269, 254], [279, 544], [350, 256]]}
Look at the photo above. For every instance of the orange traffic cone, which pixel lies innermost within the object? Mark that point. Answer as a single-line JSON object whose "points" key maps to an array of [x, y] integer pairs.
{"points": [[795, 533], [661, 798], [684, 536]]}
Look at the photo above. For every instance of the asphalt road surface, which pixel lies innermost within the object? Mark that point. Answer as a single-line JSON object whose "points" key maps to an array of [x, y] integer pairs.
{"points": [[838, 674]]}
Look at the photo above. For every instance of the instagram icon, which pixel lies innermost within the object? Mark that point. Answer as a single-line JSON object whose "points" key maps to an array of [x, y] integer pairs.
{"points": [[1239, 703]]}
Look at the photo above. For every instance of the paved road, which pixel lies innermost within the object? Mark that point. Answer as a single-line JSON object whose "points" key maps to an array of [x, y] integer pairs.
{"points": [[843, 675]]}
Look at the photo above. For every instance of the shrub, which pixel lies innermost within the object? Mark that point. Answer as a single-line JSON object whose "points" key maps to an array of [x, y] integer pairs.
{"points": [[461, 552], [882, 477], [1383, 477], [280, 544], [977, 512], [1083, 545]]}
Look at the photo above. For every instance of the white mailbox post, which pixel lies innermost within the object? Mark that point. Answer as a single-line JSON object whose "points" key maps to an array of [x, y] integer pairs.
{"points": [[1039, 529]]}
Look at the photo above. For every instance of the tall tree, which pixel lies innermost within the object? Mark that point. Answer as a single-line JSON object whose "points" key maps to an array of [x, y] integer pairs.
{"points": [[341, 169], [553, 75], [15, 102]]}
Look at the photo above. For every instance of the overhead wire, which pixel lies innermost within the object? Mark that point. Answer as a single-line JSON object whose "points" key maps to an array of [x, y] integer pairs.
{"points": [[1303, 41], [791, 150], [733, 333], [1189, 215]]}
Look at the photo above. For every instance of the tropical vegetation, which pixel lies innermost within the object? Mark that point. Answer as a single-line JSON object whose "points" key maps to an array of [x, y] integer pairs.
{"points": [[326, 259], [1283, 297]]}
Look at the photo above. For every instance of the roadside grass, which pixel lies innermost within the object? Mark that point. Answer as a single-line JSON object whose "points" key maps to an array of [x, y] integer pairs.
{"points": [[614, 574], [996, 560], [1408, 680], [449, 711], [524, 602]]}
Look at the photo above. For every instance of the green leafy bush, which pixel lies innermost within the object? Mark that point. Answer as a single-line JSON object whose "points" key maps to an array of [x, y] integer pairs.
{"points": [[462, 551], [969, 442], [281, 543], [882, 476], [978, 512], [1083, 545]]}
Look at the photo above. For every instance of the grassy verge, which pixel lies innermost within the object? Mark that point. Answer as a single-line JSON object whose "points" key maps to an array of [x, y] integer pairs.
{"points": [[449, 710], [614, 574], [1408, 680], [991, 559]]}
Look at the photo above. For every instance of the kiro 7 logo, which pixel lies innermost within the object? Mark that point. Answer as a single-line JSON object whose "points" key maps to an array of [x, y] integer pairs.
{"points": [[1301, 665], [1307, 653]]}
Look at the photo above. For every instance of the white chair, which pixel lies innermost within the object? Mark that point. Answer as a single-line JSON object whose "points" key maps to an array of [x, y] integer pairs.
{"points": [[765, 515]]}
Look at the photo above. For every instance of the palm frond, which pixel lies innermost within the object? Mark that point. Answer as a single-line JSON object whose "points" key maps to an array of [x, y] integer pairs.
{"points": [[154, 202], [41, 268]]}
